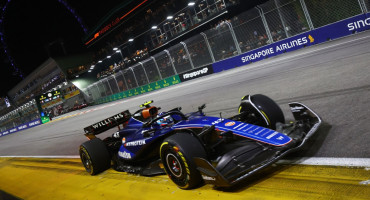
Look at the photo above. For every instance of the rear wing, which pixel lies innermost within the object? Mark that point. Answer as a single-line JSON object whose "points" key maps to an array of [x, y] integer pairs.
{"points": [[106, 124]]}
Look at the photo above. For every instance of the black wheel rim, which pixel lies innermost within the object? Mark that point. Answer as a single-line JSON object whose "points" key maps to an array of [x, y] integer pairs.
{"points": [[174, 165]]}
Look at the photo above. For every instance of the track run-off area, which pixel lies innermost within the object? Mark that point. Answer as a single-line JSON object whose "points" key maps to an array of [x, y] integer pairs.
{"points": [[333, 79]]}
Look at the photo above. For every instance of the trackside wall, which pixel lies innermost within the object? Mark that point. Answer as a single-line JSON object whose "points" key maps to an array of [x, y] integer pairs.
{"points": [[333, 31], [320, 35]]}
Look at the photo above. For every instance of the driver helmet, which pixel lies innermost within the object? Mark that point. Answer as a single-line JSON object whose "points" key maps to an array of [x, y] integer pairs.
{"points": [[165, 120]]}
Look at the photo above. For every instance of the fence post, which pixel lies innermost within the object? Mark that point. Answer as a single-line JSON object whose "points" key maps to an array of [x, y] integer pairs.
{"points": [[85, 93], [111, 91], [362, 6], [105, 93], [88, 89], [98, 90], [88, 92], [124, 79], [268, 32], [169, 55], [116, 82], [187, 52], [93, 90], [281, 18], [155, 62], [164, 28], [307, 15], [234, 37], [146, 75], [190, 18], [208, 46], [137, 83]]}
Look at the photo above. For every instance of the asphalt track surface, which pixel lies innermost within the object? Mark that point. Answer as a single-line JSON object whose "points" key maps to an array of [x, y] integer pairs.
{"points": [[332, 78]]}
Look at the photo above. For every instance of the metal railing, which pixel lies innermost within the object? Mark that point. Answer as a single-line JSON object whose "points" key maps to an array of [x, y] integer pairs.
{"points": [[184, 20], [327, 12], [267, 23], [21, 115]]}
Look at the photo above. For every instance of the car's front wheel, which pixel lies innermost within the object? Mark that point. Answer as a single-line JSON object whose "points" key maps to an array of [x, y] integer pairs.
{"points": [[177, 153], [95, 156], [266, 111]]}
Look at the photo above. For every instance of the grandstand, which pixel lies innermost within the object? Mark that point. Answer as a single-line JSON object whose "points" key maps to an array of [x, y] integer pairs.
{"points": [[135, 38], [49, 76]]}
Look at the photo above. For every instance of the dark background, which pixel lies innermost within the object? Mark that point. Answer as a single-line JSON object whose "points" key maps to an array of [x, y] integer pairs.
{"points": [[36, 30], [33, 30]]}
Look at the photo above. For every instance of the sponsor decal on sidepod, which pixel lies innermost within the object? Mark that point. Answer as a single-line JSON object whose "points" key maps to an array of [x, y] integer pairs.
{"points": [[124, 154], [230, 124], [135, 143]]}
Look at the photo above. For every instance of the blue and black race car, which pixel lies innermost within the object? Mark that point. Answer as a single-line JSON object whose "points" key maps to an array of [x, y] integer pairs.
{"points": [[194, 148]]}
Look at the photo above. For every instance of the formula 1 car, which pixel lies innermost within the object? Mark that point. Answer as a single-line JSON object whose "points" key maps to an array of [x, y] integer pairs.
{"points": [[194, 148]]}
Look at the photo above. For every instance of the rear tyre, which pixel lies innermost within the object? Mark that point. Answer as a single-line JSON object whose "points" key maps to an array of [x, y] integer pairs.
{"points": [[95, 156], [177, 153]]}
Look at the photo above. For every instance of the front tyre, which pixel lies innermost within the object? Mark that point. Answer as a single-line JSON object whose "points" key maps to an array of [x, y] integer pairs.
{"points": [[95, 156], [177, 153], [266, 111]]}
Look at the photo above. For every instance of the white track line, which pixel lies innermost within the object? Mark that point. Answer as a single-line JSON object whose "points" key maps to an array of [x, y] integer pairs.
{"points": [[329, 161], [60, 157], [322, 161]]}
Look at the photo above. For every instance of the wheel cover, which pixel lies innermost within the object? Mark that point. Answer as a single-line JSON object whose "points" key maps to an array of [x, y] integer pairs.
{"points": [[174, 165]]}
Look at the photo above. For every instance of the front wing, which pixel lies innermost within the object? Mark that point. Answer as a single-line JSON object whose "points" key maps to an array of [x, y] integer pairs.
{"points": [[307, 122]]}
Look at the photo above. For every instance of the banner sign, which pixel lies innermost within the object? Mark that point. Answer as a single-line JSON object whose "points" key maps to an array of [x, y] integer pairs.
{"points": [[196, 73], [333, 31], [51, 103], [173, 80], [72, 94], [22, 127]]}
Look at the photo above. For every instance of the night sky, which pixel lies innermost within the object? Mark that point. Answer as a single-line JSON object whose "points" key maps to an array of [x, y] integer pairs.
{"points": [[29, 27]]}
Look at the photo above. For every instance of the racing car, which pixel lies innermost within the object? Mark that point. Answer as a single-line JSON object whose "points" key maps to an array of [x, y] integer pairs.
{"points": [[193, 148]]}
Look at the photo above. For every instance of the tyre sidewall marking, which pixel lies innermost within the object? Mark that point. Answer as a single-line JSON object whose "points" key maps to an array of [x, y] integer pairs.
{"points": [[170, 147], [268, 120], [83, 149], [185, 163]]}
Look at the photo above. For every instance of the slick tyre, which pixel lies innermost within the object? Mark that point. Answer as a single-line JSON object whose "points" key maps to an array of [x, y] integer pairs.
{"points": [[269, 108], [95, 156], [177, 153]]}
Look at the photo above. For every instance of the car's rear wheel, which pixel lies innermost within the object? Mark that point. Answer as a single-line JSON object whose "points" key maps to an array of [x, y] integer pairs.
{"points": [[177, 153], [95, 156]]}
